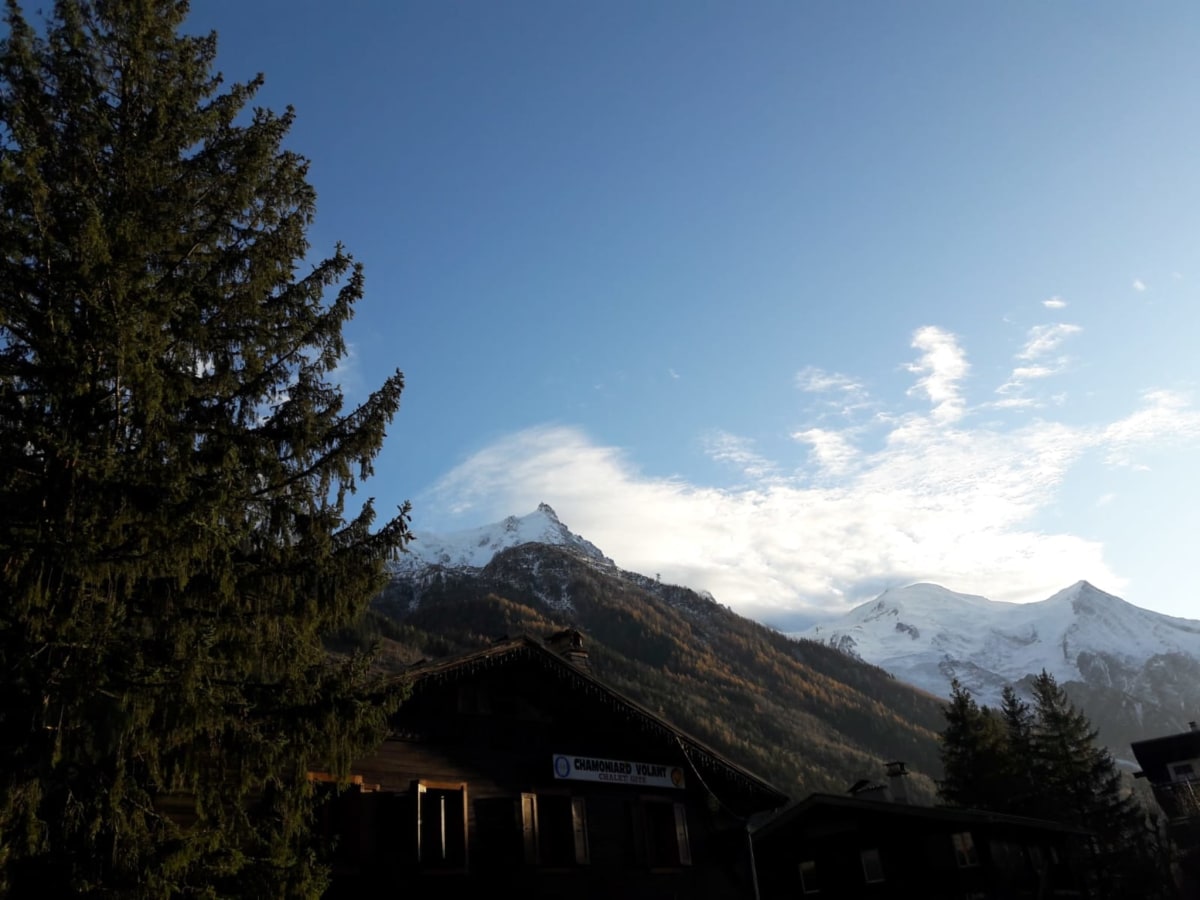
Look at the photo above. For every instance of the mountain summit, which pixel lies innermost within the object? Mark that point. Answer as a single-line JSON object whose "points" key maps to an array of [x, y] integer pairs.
{"points": [[1137, 670], [475, 548]]}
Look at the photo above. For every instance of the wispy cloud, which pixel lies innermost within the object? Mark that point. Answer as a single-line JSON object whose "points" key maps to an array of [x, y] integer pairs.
{"points": [[1041, 342], [933, 497], [941, 367], [1166, 418], [347, 374], [738, 451], [1044, 339], [1055, 303], [817, 381], [838, 393], [674, 375], [1139, 285]]}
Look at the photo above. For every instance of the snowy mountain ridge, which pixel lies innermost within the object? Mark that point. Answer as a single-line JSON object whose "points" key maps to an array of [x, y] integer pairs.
{"points": [[475, 548], [927, 635]]}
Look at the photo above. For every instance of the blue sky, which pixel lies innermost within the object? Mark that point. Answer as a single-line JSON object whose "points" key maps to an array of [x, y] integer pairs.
{"points": [[787, 301]]}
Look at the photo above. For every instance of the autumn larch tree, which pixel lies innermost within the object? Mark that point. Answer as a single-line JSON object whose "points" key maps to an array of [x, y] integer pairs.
{"points": [[176, 470]]}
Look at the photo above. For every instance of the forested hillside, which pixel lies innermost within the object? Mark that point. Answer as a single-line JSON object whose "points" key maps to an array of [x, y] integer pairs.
{"points": [[801, 714]]}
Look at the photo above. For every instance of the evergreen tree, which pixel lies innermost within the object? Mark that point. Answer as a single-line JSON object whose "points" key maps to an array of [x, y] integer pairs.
{"points": [[1043, 761], [1080, 783], [974, 753], [175, 472], [1021, 788]]}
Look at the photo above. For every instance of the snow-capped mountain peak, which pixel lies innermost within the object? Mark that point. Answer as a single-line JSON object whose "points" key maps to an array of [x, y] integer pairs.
{"points": [[927, 635], [475, 548]]}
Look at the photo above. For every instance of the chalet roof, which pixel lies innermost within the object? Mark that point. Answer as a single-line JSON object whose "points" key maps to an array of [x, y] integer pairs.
{"points": [[704, 760], [816, 803], [1153, 754]]}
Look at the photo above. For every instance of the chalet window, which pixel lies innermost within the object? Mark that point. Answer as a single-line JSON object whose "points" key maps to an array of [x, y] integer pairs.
{"points": [[872, 865], [1037, 860], [554, 830], [664, 833], [442, 824], [809, 882], [965, 853], [1007, 857], [1182, 771]]}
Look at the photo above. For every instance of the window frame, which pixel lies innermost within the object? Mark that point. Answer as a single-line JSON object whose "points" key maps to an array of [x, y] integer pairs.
{"points": [[872, 853], [422, 788], [533, 823], [682, 856], [809, 866], [966, 853]]}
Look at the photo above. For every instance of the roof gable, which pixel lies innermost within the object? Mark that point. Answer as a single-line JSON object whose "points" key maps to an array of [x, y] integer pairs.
{"points": [[734, 785]]}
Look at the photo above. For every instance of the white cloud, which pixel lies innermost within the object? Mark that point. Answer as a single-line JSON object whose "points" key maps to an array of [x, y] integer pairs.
{"points": [[832, 450], [729, 448], [1166, 418], [347, 374], [1043, 339], [814, 380], [839, 393], [1054, 303], [673, 374], [942, 366], [934, 499], [1139, 285]]}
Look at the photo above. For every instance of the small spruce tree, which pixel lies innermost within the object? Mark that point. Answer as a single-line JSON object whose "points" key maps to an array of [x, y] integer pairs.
{"points": [[974, 753], [1020, 777], [1079, 781], [175, 469]]}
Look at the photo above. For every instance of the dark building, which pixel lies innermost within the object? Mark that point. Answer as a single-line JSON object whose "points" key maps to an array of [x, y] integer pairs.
{"points": [[842, 846], [514, 768], [1172, 766]]}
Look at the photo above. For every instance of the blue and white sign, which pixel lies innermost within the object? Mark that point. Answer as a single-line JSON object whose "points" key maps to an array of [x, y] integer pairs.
{"points": [[617, 771]]}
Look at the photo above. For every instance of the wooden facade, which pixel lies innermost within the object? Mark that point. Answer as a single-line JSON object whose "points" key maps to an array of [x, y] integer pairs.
{"points": [[833, 846], [1172, 766], [513, 768]]}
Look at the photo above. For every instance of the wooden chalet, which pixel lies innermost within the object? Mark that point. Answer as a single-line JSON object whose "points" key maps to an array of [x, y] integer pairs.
{"points": [[515, 768], [1172, 766], [840, 846]]}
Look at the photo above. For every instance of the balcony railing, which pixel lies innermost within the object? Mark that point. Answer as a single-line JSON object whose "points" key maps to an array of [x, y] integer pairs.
{"points": [[1179, 799]]}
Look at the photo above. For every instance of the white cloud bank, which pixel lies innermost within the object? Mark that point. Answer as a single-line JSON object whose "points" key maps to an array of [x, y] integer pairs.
{"points": [[934, 497]]}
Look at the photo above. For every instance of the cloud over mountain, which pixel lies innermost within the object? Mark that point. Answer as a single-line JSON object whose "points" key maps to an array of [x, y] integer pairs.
{"points": [[933, 489]]}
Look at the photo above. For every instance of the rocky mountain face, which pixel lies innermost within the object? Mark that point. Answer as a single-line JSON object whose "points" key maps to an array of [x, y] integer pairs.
{"points": [[474, 549], [801, 714], [1136, 673]]}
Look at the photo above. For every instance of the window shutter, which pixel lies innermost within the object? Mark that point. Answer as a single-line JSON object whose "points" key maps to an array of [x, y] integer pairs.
{"points": [[681, 835], [638, 831], [579, 822], [529, 828], [420, 829]]}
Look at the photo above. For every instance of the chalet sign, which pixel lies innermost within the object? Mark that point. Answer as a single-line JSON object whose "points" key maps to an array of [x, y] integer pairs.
{"points": [[616, 771]]}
